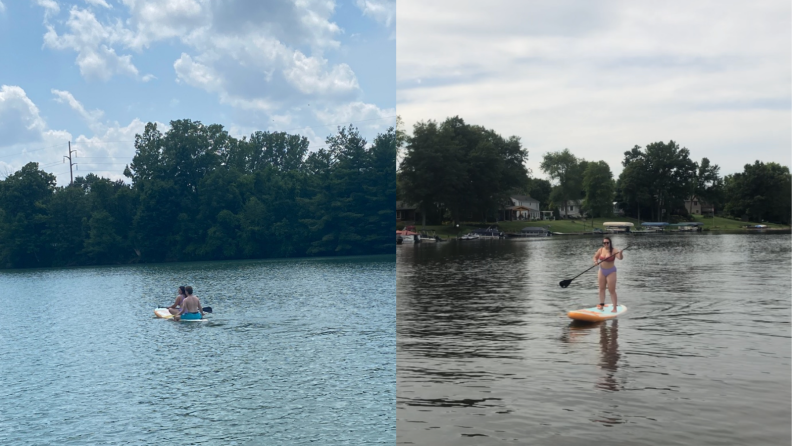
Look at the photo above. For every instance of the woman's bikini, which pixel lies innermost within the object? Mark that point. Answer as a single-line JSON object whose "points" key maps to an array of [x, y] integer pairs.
{"points": [[607, 271]]}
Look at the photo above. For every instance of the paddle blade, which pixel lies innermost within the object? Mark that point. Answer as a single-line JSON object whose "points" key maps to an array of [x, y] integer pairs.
{"points": [[207, 309], [564, 283]]}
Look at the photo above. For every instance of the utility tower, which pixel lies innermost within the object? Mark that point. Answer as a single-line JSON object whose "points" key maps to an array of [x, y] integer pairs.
{"points": [[69, 157]]}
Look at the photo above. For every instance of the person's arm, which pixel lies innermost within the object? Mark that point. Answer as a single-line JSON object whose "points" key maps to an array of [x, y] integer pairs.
{"points": [[200, 307], [176, 303], [596, 254], [619, 255]]}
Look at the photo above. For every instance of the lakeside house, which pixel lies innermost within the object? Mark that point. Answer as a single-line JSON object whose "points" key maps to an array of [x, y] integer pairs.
{"points": [[406, 212], [695, 206], [522, 207], [573, 209]]}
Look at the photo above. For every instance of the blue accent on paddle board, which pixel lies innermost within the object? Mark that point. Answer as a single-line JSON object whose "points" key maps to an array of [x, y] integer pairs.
{"points": [[608, 309]]}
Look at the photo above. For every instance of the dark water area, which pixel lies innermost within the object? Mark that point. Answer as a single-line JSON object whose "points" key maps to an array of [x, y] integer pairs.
{"points": [[486, 354], [296, 352]]}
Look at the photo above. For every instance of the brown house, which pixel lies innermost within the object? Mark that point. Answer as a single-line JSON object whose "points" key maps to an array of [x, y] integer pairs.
{"points": [[406, 212]]}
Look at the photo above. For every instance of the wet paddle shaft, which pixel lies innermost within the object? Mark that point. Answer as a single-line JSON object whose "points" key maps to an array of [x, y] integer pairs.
{"points": [[565, 283]]}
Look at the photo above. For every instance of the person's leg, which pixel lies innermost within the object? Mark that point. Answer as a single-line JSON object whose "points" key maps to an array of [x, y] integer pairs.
{"points": [[611, 279], [602, 282]]}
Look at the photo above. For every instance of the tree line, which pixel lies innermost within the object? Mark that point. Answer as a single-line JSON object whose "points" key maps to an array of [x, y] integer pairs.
{"points": [[457, 171], [197, 193], [460, 171]]}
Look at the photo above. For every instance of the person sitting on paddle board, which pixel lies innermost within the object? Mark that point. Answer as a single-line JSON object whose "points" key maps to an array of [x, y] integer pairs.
{"points": [[606, 258], [176, 307], [191, 306]]}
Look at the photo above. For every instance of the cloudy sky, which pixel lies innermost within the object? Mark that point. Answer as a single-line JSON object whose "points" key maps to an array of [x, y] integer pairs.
{"points": [[601, 77], [94, 72]]}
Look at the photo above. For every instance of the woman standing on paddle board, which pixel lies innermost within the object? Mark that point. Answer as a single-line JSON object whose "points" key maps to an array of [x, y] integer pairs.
{"points": [[606, 258], [191, 306], [174, 309]]}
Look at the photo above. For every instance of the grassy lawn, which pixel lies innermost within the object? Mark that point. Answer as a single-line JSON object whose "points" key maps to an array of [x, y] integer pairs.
{"points": [[567, 226], [721, 223]]}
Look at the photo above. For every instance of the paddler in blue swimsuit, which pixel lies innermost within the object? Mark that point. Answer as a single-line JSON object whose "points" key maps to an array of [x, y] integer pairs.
{"points": [[176, 307], [606, 258], [191, 307]]}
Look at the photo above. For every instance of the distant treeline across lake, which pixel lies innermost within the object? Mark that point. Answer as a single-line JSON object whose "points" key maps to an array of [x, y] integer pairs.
{"points": [[197, 193]]}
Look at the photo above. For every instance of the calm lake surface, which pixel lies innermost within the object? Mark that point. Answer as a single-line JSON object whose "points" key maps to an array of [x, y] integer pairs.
{"points": [[296, 352], [486, 354]]}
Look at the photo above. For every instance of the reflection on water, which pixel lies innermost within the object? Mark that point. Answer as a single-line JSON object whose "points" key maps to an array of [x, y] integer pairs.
{"points": [[486, 354]]}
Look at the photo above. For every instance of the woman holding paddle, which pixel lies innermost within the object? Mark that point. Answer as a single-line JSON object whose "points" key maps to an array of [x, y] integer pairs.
{"points": [[606, 257]]}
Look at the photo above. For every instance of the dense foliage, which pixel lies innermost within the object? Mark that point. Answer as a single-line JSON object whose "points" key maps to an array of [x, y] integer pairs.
{"points": [[762, 192], [197, 193], [466, 172], [658, 179]]}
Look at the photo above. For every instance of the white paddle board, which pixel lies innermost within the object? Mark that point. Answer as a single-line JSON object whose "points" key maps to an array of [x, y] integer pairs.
{"points": [[595, 315], [163, 313]]}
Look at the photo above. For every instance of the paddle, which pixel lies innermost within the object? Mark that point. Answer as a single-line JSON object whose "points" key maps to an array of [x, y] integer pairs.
{"points": [[565, 283]]}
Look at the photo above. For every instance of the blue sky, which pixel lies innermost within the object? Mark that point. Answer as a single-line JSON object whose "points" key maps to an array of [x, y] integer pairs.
{"points": [[601, 77], [94, 72]]}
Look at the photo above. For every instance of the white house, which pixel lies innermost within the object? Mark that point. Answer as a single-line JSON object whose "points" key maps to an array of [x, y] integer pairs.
{"points": [[572, 209], [522, 207]]}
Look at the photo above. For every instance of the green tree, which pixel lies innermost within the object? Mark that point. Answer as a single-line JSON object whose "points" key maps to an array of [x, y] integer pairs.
{"points": [[540, 189], [468, 170], [599, 186], [432, 173], [662, 174], [23, 199], [761, 192], [634, 183], [564, 168], [66, 216], [198, 193], [708, 185], [103, 243]]}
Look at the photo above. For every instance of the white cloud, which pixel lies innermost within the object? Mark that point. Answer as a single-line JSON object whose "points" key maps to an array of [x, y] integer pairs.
{"points": [[2, 8], [93, 43], [25, 137], [51, 7], [92, 118], [20, 121], [359, 114], [310, 75], [603, 77], [252, 55], [108, 151], [153, 21], [101, 3], [383, 11]]}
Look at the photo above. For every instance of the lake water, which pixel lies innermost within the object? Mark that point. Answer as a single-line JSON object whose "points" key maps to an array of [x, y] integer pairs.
{"points": [[296, 352], [486, 354]]}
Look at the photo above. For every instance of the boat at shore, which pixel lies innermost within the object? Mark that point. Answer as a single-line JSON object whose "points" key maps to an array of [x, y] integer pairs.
{"points": [[688, 226], [618, 227], [530, 231], [489, 232], [651, 227], [407, 237]]}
